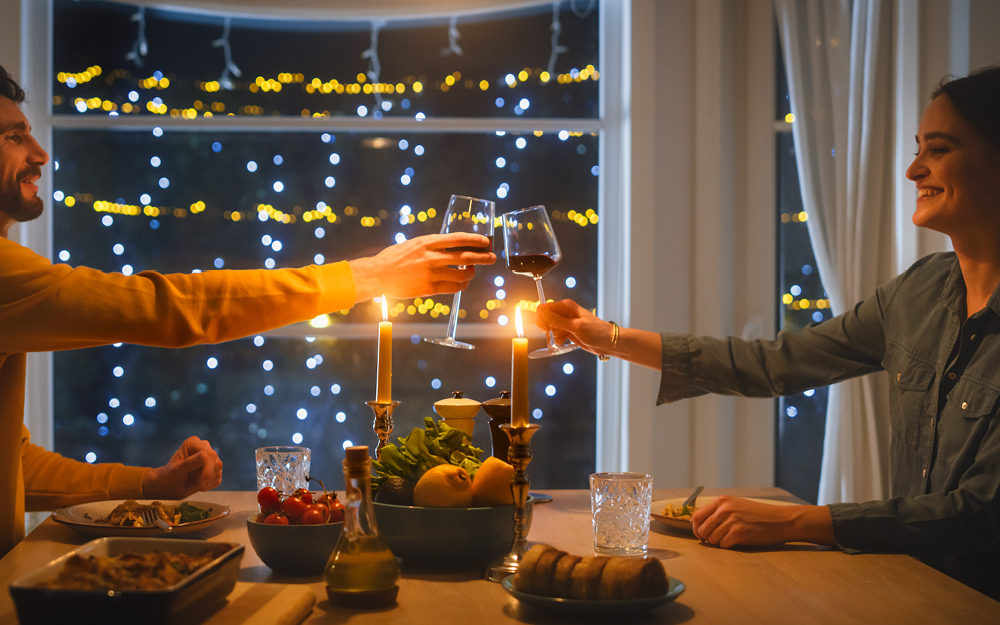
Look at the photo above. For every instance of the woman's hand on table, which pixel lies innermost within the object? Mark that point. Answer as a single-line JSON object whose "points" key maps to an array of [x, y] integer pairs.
{"points": [[730, 521], [194, 467]]}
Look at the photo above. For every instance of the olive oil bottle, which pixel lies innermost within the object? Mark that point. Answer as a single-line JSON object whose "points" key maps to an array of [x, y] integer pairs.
{"points": [[361, 571]]}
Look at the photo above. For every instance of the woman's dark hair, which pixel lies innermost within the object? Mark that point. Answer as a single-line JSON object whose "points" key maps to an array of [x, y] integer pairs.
{"points": [[976, 97], [9, 88]]}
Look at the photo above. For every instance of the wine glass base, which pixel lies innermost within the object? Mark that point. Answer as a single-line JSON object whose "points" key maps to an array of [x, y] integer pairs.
{"points": [[555, 350], [449, 342]]}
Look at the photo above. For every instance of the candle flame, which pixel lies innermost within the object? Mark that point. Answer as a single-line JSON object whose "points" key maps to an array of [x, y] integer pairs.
{"points": [[385, 310], [517, 322]]}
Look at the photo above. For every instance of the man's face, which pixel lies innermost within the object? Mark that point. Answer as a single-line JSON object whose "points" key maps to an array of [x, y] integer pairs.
{"points": [[21, 161]]}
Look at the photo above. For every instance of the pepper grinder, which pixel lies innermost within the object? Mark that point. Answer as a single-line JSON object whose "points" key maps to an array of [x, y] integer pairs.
{"points": [[498, 410]]}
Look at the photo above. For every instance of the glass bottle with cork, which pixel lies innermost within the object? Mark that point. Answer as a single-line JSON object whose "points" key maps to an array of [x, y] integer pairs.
{"points": [[361, 572]]}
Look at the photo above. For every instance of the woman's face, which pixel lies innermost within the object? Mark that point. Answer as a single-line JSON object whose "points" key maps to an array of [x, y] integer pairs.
{"points": [[957, 174]]}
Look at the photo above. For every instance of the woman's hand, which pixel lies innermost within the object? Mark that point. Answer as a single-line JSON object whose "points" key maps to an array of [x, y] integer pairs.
{"points": [[194, 467], [729, 521], [569, 320], [420, 266]]}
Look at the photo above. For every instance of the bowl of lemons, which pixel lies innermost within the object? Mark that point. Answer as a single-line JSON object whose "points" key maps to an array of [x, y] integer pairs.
{"points": [[448, 517]]}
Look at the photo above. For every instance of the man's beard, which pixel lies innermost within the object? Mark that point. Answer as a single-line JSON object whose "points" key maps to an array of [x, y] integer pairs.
{"points": [[14, 204]]}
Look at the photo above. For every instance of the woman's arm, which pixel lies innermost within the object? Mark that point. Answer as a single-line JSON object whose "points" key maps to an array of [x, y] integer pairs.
{"points": [[569, 320]]}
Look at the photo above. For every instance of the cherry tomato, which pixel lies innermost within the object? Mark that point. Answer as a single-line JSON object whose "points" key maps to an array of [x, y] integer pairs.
{"points": [[276, 518], [304, 494], [314, 515], [294, 507], [268, 499], [336, 511]]}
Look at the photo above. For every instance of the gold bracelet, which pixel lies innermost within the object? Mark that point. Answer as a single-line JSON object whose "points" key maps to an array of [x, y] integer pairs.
{"points": [[615, 332]]}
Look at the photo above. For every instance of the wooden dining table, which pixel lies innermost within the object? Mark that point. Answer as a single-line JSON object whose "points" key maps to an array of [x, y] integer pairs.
{"points": [[794, 583]]}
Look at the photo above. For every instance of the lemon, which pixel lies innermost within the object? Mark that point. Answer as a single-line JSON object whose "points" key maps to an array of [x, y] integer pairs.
{"points": [[492, 484], [444, 486]]}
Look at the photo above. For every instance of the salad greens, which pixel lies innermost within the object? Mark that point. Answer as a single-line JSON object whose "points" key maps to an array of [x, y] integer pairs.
{"points": [[437, 443], [191, 513]]}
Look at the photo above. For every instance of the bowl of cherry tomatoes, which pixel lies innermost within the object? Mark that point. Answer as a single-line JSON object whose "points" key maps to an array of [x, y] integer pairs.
{"points": [[295, 534]]}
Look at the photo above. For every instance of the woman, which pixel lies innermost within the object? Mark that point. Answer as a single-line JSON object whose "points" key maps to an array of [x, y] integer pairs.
{"points": [[935, 329]]}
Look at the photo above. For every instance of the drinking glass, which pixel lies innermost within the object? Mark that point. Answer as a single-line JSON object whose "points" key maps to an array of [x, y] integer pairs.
{"points": [[464, 214], [285, 469], [620, 503], [532, 249]]}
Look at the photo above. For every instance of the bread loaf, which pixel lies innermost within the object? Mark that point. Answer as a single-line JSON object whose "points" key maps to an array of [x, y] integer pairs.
{"points": [[546, 571]]}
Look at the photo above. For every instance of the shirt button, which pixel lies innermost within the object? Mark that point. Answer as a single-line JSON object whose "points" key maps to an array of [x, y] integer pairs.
{"points": [[965, 405], [925, 473], [951, 376], [898, 375], [972, 338]]}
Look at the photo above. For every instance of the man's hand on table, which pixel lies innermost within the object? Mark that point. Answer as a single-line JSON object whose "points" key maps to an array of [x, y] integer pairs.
{"points": [[194, 467], [729, 521]]}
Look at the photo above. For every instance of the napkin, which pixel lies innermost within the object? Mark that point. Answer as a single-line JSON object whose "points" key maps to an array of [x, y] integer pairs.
{"points": [[265, 604]]}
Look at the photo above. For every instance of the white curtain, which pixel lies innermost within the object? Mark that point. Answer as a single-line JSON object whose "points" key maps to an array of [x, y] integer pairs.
{"points": [[838, 55]]}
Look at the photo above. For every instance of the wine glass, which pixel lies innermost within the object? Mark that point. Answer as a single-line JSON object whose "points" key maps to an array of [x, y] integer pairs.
{"points": [[532, 250], [464, 214]]}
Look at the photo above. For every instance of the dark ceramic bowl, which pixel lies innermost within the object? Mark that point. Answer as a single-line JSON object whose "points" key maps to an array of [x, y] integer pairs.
{"points": [[467, 536], [299, 550]]}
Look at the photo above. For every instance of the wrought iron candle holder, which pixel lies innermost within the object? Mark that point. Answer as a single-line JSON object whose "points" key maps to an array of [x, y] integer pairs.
{"points": [[519, 455], [382, 424]]}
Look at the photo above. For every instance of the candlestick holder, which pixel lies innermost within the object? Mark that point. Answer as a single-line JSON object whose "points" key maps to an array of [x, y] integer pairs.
{"points": [[519, 455], [383, 423]]}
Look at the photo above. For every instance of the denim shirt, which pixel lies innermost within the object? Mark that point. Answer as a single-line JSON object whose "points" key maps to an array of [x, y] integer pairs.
{"points": [[944, 378]]}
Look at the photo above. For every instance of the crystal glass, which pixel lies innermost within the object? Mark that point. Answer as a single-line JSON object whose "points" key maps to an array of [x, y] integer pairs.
{"points": [[620, 503], [532, 250], [286, 469], [464, 214]]}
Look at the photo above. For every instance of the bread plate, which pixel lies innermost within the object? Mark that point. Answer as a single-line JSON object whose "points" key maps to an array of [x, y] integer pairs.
{"points": [[83, 518], [685, 524], [595, 607], [186, 601]]}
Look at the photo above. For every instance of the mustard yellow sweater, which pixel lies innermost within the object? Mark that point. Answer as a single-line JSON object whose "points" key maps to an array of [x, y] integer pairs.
{"points": [[46, 307]]}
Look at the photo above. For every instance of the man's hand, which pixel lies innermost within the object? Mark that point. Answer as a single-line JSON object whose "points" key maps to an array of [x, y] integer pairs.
{"points": [[730, 521], [420, 266], [194, 467]]}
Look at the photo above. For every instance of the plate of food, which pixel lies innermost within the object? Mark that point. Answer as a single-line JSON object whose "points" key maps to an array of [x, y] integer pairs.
{"points": [[553, 580], [126, 518], [155, 581], [672, 513]]}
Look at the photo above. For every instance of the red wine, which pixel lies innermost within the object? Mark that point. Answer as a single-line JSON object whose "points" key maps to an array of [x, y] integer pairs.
{"points": [[469, 248], [534, 265]]}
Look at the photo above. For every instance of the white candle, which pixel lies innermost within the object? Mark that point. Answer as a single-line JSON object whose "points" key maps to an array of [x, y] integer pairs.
{"points": [[519, 376], [383, 387]]}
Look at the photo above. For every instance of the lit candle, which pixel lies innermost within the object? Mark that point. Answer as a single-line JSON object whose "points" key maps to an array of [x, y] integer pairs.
{"points": [[519, 376], [383, 387]]}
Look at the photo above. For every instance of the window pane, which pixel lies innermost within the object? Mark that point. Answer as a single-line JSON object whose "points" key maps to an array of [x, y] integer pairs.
{"points": [[317, 68], [178, 201]]}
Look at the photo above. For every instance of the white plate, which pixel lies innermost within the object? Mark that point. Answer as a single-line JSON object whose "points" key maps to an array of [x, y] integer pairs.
{"points": [[83, 518], [685, 524]]}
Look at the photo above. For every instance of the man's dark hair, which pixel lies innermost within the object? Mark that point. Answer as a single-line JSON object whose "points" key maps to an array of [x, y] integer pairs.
{"points": [[9, 87], [976, 97]]}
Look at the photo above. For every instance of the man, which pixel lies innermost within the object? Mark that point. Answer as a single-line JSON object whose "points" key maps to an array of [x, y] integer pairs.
{"points": [[46, 307]]}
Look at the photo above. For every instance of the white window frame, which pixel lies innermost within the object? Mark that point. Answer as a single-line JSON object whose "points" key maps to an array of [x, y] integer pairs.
{"points": [[33, 31]]}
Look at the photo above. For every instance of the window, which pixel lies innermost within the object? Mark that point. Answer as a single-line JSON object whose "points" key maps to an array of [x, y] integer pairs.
{"points": [[801, 418], [317, 153]]}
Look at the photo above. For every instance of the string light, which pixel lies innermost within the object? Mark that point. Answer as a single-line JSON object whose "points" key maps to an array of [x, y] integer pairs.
{"points": [[140, 48], [230, 67]]}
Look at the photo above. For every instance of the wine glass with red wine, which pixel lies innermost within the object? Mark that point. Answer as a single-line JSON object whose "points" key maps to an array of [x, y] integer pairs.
{"points": [[532, 250], [464, 214]]}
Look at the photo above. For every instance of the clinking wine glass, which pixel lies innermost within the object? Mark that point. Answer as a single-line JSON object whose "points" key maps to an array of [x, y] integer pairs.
{"points": [[532, 250], [464, 214]]}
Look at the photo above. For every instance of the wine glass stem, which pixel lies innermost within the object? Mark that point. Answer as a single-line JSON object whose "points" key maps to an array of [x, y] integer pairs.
{"points": [[541, 300], [453, 318]]}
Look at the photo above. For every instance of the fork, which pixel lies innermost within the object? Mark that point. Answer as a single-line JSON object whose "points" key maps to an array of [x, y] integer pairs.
{"points": [[149, 518]]}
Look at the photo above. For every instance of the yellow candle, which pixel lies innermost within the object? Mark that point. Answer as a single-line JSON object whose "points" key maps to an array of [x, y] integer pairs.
{"points": [[519, 376], [383, 387]]}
